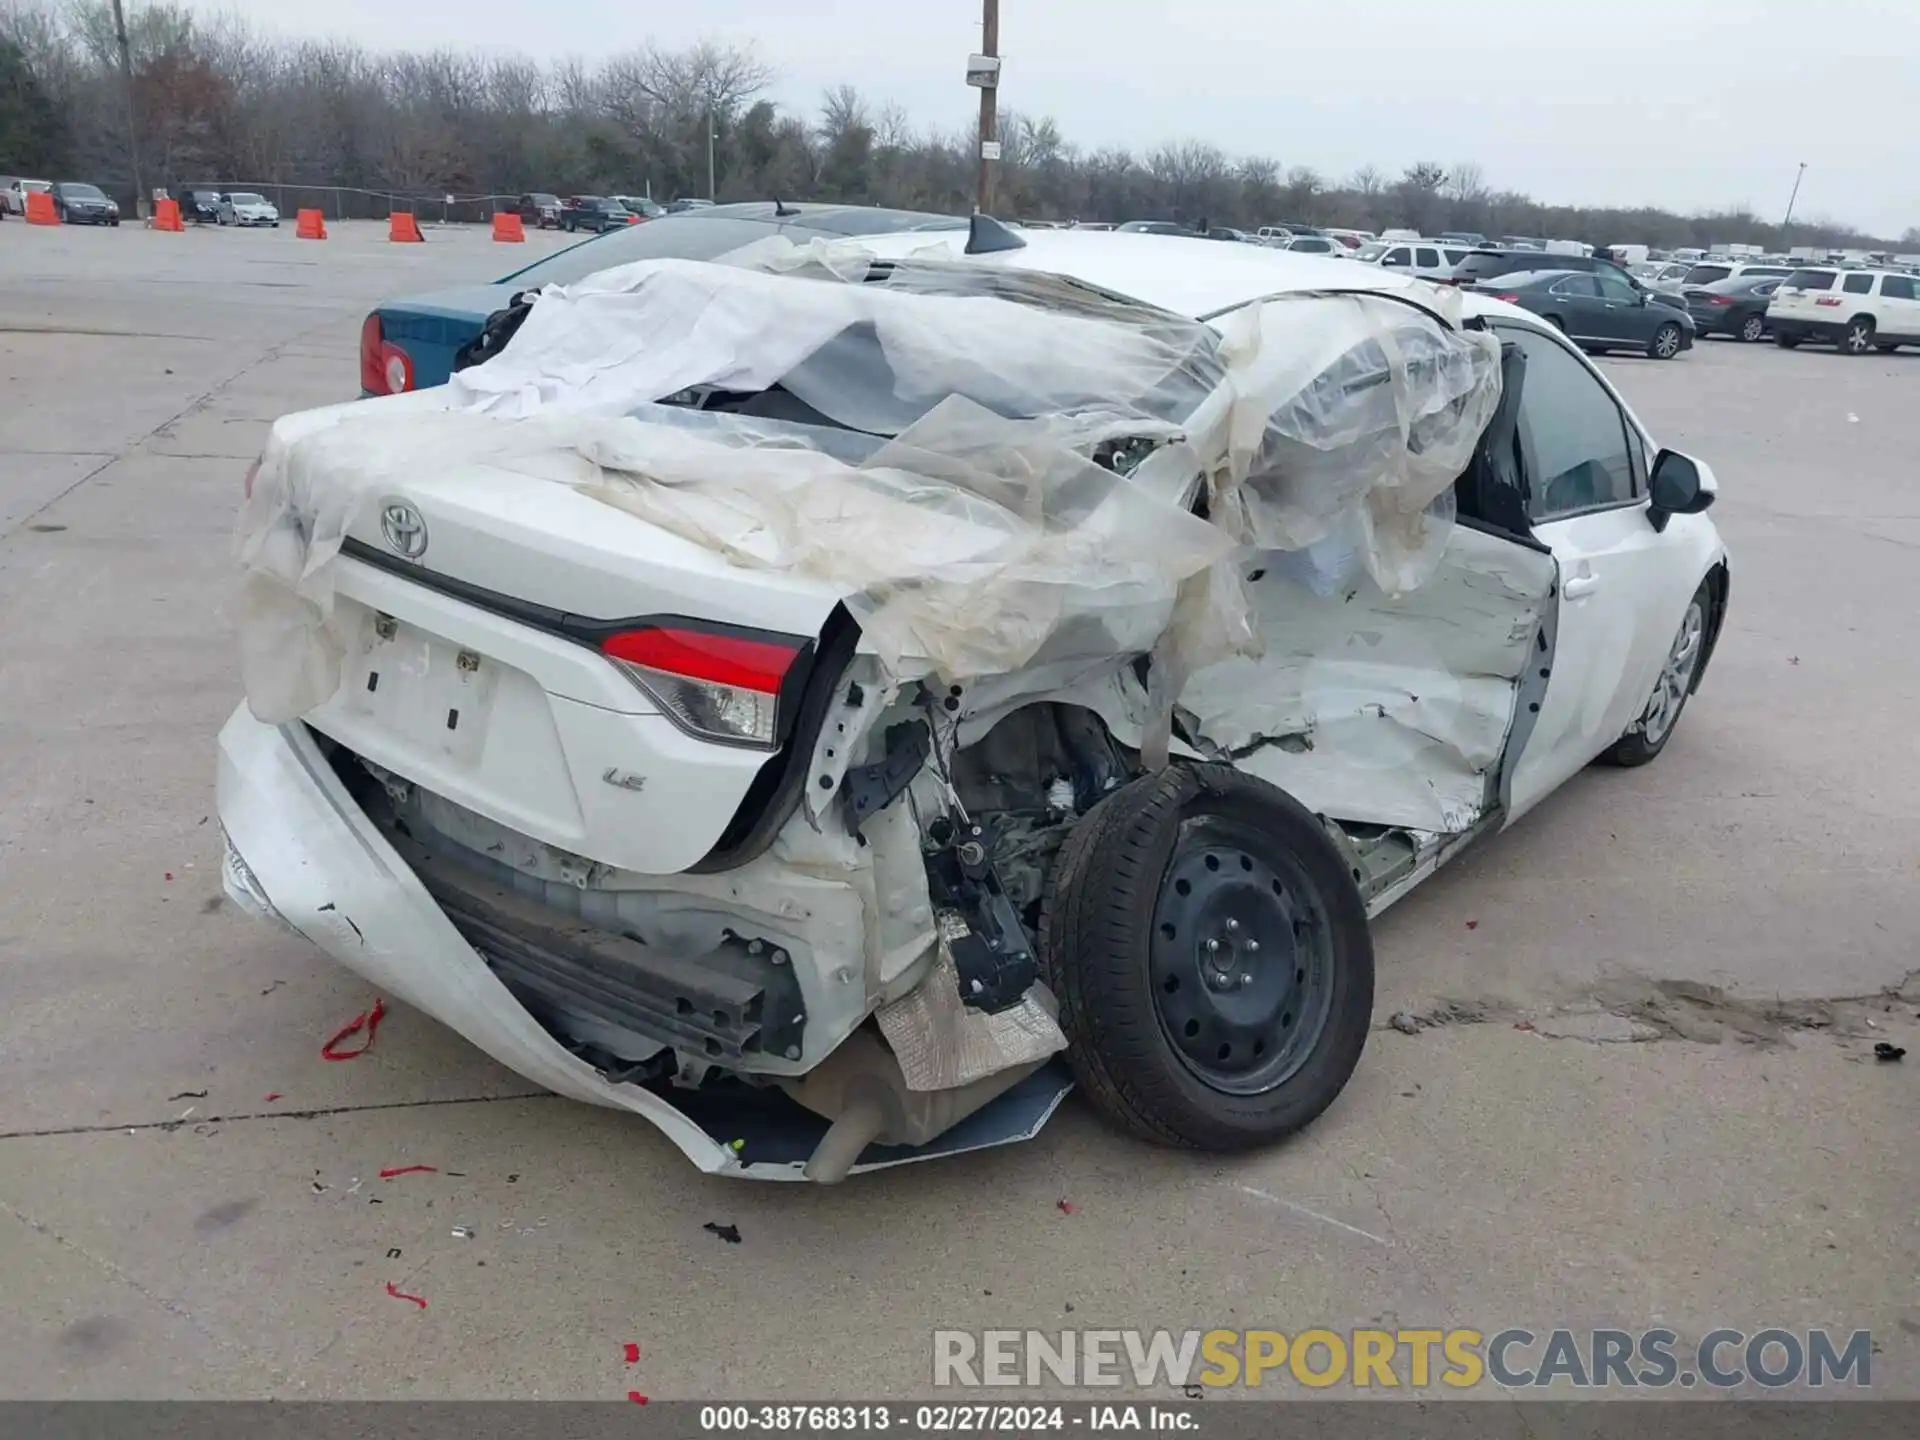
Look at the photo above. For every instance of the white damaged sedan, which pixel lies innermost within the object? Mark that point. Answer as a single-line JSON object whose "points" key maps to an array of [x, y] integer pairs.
{"points": [[829, 701]]}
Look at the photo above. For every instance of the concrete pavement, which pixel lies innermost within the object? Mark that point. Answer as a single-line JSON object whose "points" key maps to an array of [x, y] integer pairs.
{"points": [[1691, 1131]]}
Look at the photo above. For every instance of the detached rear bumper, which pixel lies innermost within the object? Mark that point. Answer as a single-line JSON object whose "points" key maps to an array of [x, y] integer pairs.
{"points": [[303, 853], [323, 868]]}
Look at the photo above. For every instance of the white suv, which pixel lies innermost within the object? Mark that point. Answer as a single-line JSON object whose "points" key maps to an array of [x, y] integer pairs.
{"points": [[1428, 259], [1858, 310]]}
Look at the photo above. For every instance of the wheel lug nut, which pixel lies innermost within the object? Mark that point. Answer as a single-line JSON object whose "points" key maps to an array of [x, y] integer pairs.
{"points": [[1246, 978], [1232, 925], [1253, 947], [1213, 947], [1220, 982]]}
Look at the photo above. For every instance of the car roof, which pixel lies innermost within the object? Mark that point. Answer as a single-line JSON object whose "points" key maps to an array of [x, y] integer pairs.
{"points": [[1188, 275]]}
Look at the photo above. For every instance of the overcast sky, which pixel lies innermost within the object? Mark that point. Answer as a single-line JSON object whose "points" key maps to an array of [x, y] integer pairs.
{"points": [[1686, 104]]}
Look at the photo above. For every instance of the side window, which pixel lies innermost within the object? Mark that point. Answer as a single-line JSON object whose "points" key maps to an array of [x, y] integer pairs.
{"points": [[1858, 285], [1770, 287], [1897, 287], [1585, 286], [1429, 259], [1574, 440], [1612, 287], [1399, 255]]}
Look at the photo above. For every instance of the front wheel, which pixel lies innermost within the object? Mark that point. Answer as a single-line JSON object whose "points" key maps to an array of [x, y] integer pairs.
{"points": [[1210, 951], [1787, 342], [1858, 339], [1753, 328], [1648, 735], [1666, 342]]}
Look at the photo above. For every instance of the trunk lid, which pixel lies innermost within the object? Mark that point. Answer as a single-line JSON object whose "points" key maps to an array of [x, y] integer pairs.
{"points": [[473, 665]]}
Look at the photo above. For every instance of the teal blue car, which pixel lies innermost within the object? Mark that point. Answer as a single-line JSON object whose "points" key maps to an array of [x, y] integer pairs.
{"points": [[410, 344]]}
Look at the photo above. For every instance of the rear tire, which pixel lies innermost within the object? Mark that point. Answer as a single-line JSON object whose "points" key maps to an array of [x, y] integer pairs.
{"points": [[1787, 342], [1666, 342], [1211, 955], [1753, 329], [1857, 339]]}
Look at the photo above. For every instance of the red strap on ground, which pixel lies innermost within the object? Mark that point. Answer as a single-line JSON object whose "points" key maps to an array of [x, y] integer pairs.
{"points": [[400, 1294], [368, 1021], [409, 1170], [633, 1353], [636, 1397]]}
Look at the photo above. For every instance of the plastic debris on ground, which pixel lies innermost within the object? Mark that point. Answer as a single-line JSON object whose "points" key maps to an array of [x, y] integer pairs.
{"points": [[400, 1294], [394, 1172], [991, 458], [728, 1233], [1890, 1053], [368, 1021]]}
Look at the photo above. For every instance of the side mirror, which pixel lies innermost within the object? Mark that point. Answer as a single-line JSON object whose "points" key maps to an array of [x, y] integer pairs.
{"points": [[1675, 488]]}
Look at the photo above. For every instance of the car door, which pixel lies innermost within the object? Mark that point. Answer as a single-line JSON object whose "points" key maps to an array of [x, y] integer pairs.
{"points": [[1624, 313], [1899, 307], [1426, 260], [1398, 258], [1622, 586], [1576, 300]]}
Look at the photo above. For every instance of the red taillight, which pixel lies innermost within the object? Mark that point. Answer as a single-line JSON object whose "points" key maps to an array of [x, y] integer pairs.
{"points": [[1508, 296], [696, 655], [1719, 300], [385, 369], [719, 687], [1828, 300], [373, 373]]}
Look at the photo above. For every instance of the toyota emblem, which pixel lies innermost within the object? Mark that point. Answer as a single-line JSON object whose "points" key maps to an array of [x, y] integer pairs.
{"points": [[404, 528]]}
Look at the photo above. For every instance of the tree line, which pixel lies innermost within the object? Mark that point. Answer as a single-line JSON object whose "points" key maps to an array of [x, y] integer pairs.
{"points": [[216, 101]]}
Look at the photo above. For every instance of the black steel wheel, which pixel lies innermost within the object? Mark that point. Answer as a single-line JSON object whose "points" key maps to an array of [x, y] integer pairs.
{"points": [[1210, 951], [1242, 960]]}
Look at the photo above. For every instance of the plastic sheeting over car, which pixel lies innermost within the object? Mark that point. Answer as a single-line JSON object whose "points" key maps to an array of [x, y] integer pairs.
{"points": [[987, 460]]}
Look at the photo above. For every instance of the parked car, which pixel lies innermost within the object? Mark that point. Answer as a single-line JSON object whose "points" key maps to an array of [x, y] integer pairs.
{"points": [[686, 203], [15, 195], [1860, 311], [1351, 239], [1226, 232], [1463, 237], [736, 857], [1315, 245], [78, 203], [1273, 235], [411, 343], [1705, 272], [598, 213], [1598, 309], [245, 208], [643, 207], [1731, 307], [538, 209], [201, 205], [1153, 227], [1427, 259], [1665, 275]]}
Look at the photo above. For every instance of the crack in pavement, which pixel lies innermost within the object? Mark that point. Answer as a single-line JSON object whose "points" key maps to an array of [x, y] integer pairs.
{"points": [[271, 353], [121, 1276], [235, 1119]]}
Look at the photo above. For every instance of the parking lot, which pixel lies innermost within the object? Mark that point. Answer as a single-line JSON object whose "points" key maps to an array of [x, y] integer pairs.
{"points": [[1640, 1087]]}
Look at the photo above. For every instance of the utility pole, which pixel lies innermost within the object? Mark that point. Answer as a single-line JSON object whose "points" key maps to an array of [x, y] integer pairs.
{"points": [[710, 139], [133, 129], [989, 108], [1793, 197]]}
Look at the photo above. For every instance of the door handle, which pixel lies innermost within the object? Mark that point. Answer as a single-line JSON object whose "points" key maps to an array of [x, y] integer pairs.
{"points": [[1580, 586]]}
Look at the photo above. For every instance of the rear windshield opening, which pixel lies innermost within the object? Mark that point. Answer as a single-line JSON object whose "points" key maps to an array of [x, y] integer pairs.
{"points": [[1706, 274], [1810, 280]]}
